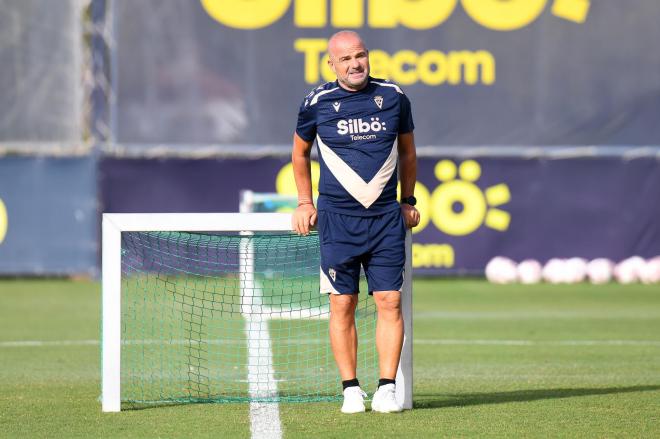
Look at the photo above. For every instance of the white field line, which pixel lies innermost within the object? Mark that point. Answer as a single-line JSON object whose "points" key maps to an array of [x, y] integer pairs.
{"points": [[535, 314], [295, 313], [264, 417], [147, 342], [317, 341], [488, 375], [456, 342], [47, 343]]}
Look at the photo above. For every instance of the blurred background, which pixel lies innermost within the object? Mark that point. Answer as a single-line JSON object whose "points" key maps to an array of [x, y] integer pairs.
{"points": [[537, 121]]}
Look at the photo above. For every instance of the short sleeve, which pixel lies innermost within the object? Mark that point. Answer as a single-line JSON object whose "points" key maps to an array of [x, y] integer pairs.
{"points": [[406, 124], [306, 127]]}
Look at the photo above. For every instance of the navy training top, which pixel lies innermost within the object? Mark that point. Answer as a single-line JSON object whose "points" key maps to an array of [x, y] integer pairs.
{"points": [[356, 133]]}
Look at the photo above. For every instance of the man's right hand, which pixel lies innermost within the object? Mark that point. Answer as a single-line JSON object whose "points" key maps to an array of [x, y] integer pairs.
{"points": [[303, 219]]}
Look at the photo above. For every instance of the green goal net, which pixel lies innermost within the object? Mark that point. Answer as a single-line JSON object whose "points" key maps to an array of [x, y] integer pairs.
{"points": [[224, 316]]}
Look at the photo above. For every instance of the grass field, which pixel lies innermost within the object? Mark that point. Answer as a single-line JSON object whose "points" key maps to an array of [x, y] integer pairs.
{"points": [[490, 361]]}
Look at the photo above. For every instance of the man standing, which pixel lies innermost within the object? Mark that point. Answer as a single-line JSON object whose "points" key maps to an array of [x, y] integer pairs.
{"points": [[363, 126]]}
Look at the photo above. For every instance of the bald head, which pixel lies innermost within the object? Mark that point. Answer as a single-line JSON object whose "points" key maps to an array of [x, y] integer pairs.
{"points": [[348, 58], [343, 38]]}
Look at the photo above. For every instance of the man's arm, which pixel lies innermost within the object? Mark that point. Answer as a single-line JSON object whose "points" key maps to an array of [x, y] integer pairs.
{"points": [[408, 176], [304, 217]]}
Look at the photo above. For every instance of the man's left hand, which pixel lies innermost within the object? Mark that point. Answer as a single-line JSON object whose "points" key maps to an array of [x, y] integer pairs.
{"points": [[410, 215]]}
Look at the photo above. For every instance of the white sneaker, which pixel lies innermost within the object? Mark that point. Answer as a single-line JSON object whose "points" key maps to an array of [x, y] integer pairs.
{"points": [[384, 400], [353, 400]]}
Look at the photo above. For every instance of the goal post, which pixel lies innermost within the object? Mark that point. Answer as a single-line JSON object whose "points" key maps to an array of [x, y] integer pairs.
{"points": [[214, 311], [404, 374]]}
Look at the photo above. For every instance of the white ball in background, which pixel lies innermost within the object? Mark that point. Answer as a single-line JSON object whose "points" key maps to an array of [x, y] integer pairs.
{"points": [[493, 269], [554, 271], [650, 272], [600, 271], [529, 271], [576, 270], [501, 270], [510, 273], [624, 273], [627, 271], [637, 262]]}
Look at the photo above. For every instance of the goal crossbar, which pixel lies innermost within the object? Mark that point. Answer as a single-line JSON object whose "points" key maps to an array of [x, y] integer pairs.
{"points": [[113, 224]]}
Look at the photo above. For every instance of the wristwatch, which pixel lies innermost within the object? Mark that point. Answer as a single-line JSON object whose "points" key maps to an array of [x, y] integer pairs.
{"points": [[409, 200]]}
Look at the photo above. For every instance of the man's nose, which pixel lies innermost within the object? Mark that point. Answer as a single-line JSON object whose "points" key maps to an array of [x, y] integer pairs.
{"points": [[354, 63]]}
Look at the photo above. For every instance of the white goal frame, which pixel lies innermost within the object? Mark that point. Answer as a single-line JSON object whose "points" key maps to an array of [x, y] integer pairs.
{"points": [[114, 224]]}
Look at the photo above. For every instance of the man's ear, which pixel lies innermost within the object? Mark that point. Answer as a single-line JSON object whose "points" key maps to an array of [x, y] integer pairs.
{"points": [[332, 65]]}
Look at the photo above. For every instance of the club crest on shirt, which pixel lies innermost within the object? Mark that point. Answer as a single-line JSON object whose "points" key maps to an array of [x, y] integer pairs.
{"points": [[336, 106], [332, 273], [379, 101]]}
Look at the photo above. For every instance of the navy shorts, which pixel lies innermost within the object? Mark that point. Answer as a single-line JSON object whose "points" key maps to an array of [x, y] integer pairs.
{"points": [[376, 243]]}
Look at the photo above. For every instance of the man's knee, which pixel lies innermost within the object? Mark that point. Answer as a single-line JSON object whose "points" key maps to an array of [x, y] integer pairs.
{"points": [[388, 303], [343, 306]]}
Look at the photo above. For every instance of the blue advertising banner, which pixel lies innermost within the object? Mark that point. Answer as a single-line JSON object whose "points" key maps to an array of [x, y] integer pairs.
{"points": [[478, 72], [472, 209], [536, 208], [48, 216]]}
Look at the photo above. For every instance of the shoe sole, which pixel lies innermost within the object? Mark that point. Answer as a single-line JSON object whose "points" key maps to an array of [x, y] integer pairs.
{"points": [[386, 411], [376, 409], [353, 412]]}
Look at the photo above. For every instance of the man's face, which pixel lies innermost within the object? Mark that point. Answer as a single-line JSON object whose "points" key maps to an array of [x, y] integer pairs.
{"points": [[349, 59]]}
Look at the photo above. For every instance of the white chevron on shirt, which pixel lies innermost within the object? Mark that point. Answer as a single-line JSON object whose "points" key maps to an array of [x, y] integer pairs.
{"points": [[365, 193]]}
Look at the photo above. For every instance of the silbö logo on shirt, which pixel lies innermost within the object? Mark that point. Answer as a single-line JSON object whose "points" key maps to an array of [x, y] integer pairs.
{"points": [[360, 129]]}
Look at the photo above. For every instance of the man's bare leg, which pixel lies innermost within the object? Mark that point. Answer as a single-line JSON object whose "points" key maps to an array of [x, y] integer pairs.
{"points": [[389, 332], [343, 336]]}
